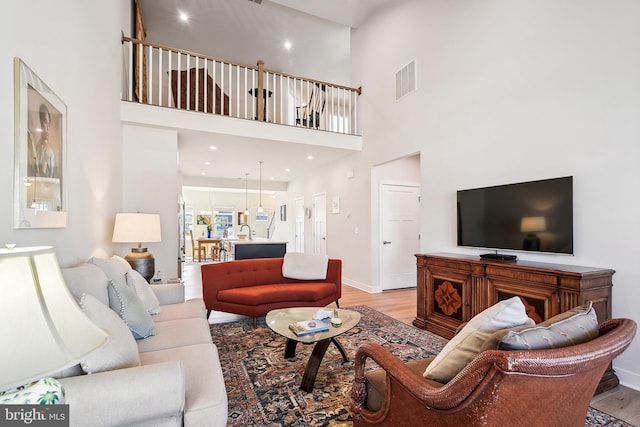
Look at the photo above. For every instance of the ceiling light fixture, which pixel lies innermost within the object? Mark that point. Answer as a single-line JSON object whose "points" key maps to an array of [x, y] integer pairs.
{"points": [[260, 208], [212, 147], [287, 45], [184, 17]]}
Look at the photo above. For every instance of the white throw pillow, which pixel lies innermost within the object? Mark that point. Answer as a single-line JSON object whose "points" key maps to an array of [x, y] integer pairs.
{"points": [[122, 261], [303, 266], [126, 303], [114, 268], [121, 351], [464, 346], [142, 288]]}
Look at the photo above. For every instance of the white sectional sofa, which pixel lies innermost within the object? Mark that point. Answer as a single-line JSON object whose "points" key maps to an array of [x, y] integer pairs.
{"points": [[171, 378]]}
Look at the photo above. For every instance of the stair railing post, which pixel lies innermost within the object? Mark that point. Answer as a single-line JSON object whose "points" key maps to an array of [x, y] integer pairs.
{"points": [[260, 94]]}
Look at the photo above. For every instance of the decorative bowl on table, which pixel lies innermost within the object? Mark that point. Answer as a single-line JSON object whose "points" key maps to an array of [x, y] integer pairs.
{"points": [[242, 236]]}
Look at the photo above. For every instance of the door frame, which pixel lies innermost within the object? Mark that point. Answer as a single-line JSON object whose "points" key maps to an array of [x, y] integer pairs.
{"points": [[380, 176], [298, 241], [314, 237], [381, 186]]}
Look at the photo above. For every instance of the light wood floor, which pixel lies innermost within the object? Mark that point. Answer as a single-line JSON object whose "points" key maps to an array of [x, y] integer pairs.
{"points": [[621, 402]]}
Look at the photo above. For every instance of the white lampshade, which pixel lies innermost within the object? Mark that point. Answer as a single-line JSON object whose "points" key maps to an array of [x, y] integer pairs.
{"points": [[533, 224], [43, 328], [136, 228]]}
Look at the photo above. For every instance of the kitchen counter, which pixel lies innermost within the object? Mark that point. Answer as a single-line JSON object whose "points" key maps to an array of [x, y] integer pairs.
{"points": [[258, 247]]}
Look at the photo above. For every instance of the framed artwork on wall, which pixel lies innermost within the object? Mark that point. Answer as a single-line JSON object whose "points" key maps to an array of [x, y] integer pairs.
{"points": [[39, 153], [335, 204], [203, 219]]}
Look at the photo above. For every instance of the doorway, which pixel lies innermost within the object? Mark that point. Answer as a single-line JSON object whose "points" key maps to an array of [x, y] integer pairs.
{"points": [[320, 223], [300, 216], [400, 235], [393, 219]]}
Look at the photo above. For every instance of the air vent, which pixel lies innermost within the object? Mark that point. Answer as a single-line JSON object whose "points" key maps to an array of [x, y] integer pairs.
{"points": [[406, 80]]}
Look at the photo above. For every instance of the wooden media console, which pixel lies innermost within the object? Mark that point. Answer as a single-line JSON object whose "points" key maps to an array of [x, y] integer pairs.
{"points": [[453, 288]]}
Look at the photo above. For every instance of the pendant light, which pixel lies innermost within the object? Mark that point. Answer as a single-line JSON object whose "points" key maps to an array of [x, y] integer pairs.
{"points": [[246, 192], [260, 208]]}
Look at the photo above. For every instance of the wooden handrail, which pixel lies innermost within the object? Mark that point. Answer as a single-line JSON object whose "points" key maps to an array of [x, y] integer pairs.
{"points": [[251, 67], [178, 78]]}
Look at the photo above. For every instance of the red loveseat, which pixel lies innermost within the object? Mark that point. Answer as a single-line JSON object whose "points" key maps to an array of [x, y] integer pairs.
{"points": [[253, 287]]}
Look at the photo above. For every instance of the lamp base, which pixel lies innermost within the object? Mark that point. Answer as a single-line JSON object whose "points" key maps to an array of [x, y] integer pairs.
{"points": [[531, 243], [142, 261]]}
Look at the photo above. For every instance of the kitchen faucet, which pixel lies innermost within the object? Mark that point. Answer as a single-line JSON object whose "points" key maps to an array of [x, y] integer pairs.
{"points": [[247, 225]]}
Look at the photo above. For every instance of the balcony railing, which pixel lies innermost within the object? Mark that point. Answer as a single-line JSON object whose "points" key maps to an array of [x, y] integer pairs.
{"points": [[167, 77]]}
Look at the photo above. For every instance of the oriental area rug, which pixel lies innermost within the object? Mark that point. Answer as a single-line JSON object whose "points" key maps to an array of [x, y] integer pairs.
{"points": [[263, 386]]}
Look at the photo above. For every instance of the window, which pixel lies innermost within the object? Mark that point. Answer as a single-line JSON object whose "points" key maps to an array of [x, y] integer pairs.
{"points": [[262, 216], [223, 221], [188, 219]]}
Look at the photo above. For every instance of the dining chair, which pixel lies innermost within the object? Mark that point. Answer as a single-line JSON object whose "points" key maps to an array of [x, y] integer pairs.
{"points": [[195, 247]]}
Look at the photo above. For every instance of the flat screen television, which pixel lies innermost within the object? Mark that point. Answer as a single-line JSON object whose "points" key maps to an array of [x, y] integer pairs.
{"points": [[527, 216]]}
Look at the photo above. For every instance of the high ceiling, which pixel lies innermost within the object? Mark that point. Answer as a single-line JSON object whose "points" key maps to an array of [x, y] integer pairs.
{"points": [[351, 13], [250, 31]]}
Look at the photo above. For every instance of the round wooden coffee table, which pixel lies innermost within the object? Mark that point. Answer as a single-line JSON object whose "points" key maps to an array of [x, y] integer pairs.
{"points": [[279, 321]]}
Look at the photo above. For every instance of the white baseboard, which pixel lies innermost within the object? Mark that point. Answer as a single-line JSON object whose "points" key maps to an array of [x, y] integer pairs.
{"points": [[628, 378], [355, 284]]}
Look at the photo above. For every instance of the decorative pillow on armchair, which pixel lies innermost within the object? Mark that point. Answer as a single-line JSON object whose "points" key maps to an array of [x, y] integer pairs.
{"points": [[467, 342], [575, 326]]}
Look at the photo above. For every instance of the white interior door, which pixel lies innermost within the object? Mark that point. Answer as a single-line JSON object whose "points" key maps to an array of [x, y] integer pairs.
{"points": [[299, 240], [320, 223], [400, 235]]}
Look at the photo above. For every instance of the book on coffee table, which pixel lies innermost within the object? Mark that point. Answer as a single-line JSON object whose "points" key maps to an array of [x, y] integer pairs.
{"points": [[306, 327]]}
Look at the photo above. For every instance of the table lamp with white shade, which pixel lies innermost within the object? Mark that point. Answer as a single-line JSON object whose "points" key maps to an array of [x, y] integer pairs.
{"points": [[138, 228], [43, 328]]}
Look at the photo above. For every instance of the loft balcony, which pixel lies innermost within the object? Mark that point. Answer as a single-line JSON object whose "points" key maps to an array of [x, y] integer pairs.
{"points": [[306, 110]]}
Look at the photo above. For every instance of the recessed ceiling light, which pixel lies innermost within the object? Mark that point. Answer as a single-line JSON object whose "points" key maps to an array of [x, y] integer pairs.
{"points": [[212, 147], [183, 16], [207, 163], [287, 45], [203, 173], [309, 157], [287, 170]]}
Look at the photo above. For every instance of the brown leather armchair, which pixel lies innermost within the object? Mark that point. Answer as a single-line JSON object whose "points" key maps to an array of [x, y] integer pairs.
{"points": [[498, 388]]}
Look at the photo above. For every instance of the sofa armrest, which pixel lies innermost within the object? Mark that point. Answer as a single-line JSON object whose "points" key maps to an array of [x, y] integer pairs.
{"points": [[172, 293], [131, 396]]}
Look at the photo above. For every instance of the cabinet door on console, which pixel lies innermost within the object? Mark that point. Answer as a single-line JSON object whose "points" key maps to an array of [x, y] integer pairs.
{"points": [[540, 302], [448, 301]]}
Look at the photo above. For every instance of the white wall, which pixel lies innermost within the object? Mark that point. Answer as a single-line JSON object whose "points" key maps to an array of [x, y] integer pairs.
{"points": [[151, 184], [348, 232], [73, 46], [507, 92]]}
